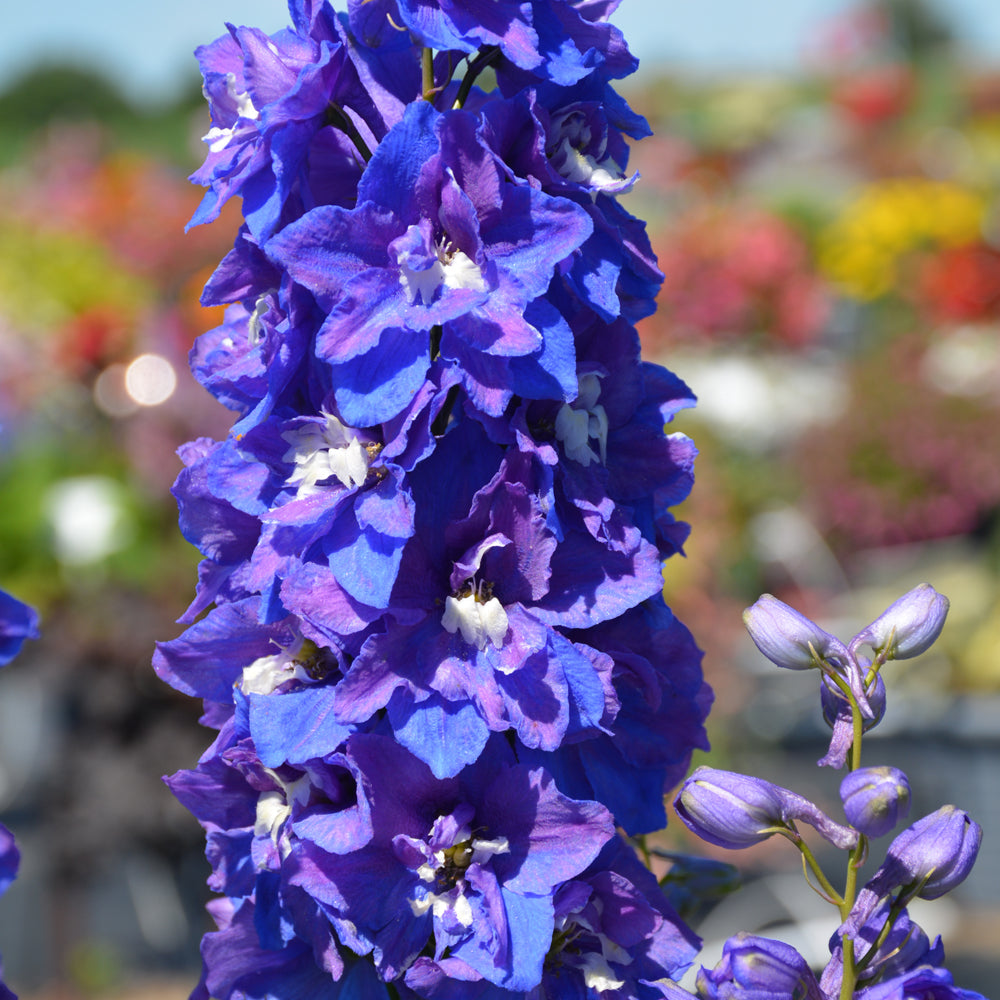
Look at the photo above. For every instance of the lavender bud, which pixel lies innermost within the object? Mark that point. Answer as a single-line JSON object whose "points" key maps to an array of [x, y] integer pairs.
{"points": [[837, 715], [934, 854], [727, 809], [875, 799], [759, 967], [736, 810], [908, 626], [835, 706], [789, 639]]}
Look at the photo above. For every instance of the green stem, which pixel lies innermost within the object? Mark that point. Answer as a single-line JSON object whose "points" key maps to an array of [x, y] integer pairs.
{"points": [[338, 118], [855, 858], [858, 731], [440, 422], [850, 974], [898, 905], [482, 60], [427, 65], [643, 847], [810, 859]]}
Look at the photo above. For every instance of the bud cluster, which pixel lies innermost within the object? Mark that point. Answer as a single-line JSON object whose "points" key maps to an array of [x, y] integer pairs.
{"points": [[877, 953]]}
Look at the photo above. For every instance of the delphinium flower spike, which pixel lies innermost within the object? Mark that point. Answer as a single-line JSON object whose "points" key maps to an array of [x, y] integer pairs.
{"points": [[428, 626]]}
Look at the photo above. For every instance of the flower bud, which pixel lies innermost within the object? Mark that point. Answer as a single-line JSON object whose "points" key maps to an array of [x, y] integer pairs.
{"points": [[759, 967], [875, 799], [835, 706], [735, 810], [837, 715], [904, 947], [727, 809], [937, 852], [908, 626], [789, 639]]}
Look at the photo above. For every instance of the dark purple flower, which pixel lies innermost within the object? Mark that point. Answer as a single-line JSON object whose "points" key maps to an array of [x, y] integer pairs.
{"points": [[216, 653], [652, 727], [469, 865], [614, 936], [17, 623], [290, 119], [474, 638], [236, 966], [440, 239], [574, 148], [554, 40], [323, 493], [10, 858], [225, 536]]}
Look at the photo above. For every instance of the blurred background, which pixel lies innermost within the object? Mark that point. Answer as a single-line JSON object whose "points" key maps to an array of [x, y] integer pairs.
{"points": [[823, 192]]}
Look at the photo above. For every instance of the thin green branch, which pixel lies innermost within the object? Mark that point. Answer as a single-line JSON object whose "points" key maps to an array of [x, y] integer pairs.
{"points": [[476, 66], [427, 67], [809, 858], [339, 119]]}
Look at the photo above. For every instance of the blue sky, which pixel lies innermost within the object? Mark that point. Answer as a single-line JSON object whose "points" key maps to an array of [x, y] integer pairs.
{"points": [[147, 47]]}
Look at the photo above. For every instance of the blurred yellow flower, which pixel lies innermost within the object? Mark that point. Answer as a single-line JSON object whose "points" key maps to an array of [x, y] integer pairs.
{"points": [[861, 250]]}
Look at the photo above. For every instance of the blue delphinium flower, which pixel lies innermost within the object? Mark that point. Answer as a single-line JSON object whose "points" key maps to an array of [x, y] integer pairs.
{"points": [[10, 859], [17, 623]]}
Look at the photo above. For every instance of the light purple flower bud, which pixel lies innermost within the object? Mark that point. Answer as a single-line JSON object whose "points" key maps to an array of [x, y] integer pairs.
{"points": [[789, 639], [835, 706], [908, 626], [936, 853], [760, 967], [875, 799], [736, 810], [837, 715]]}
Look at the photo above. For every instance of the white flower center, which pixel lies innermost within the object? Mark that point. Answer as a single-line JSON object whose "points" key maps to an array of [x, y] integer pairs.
{"points": [[451, 268], [573, 136], [274, 807], [218, 138], [479, 621], [254, 323], [583, 420], [321, 452], [448, 875], [269, 672]]}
